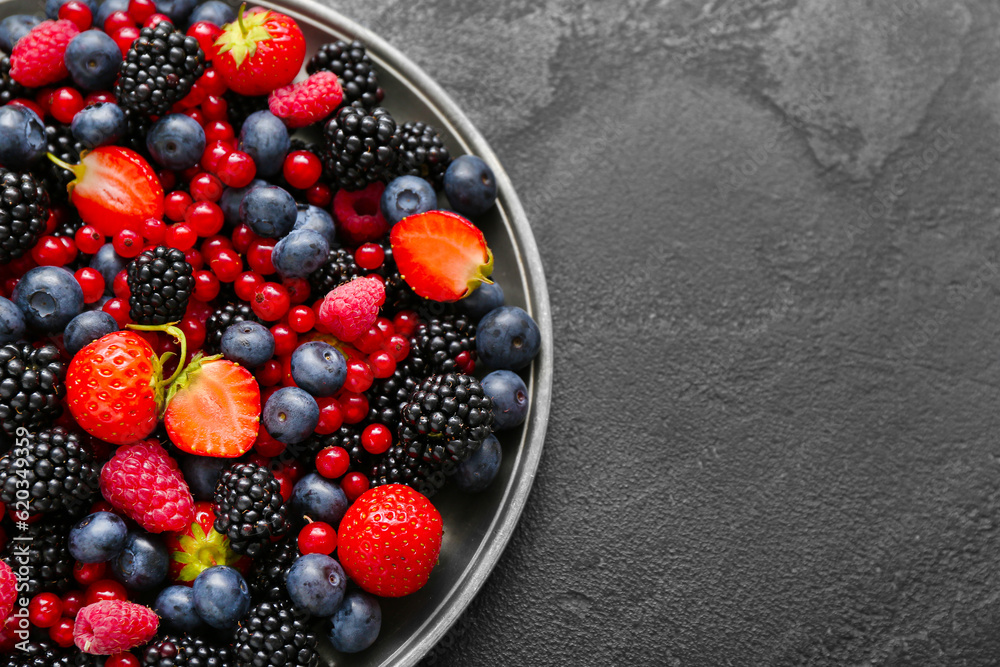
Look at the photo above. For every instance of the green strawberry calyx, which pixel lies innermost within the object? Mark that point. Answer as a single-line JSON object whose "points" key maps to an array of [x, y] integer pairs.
{"points": [[182, 379], [240, 38], [200, 551]]}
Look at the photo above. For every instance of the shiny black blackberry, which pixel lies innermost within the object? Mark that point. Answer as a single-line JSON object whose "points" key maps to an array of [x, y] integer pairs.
{"points": [[267, 576], [69, 226], [32, 384], [248, 508], [422, 153], [159, 70], [348, 437], [185, 651], [221, 319], [449, 415], [137, 124], [24, 210], [64, 146], [43, 553], [59, 471], [160, 281], [404, 464], [241, 106], [273, 634], [353, 67], [386, 397], [361, 147], [448, 344], [9, 89], [339, 268], [45, 653]]}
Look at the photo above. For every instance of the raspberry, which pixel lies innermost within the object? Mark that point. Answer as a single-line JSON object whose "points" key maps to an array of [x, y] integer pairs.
{"points": [[37, 58], [112, 626], [352, 308], [8, 590], [360, 213], [312, 100], [144, 482]]}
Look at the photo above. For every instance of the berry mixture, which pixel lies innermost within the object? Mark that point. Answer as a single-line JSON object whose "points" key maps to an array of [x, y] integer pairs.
{"points": [[247, 334]]}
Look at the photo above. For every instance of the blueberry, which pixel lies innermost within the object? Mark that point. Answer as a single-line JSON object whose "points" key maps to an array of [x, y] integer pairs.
{"points": [[470, 185], [52, 7], [510, 398], [109, 264], [482, 300], [221, 597], [300, 253], [87, 327], [176, 141], [93, 60], [318, 220], [318, 498], [290, 415], [265, 138], [247, 343], [99, 124], [11, 322], [269, 211], [14, 28], [356, 624], [319, 368], [407, 195], [177, 10], [97, 537], [107, 8], [175, 605], [214, 12], [143, 563], [479, 470], [507, 338], [202, 473], [231, 198], [316, 583], [22, 137], [49, 297]]}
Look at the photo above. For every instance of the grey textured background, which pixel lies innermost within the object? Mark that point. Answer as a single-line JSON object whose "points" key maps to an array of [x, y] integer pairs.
{"points": [[770, 232]]}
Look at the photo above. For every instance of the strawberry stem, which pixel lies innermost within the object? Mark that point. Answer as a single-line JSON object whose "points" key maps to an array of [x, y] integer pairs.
{"points": [[78, 169], [239, 19], [178, 336]]}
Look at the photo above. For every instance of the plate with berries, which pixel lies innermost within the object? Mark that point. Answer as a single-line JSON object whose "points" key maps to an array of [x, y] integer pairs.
{"points": [[275, 342]]}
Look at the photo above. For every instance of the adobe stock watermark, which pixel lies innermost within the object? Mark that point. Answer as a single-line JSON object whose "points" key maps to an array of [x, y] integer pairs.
{"points": [[21, 541]]}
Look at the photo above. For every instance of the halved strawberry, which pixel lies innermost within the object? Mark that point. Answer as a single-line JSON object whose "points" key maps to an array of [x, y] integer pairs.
{"points": [[213, 408], [441, 255], [199, 547], [114, 189]]}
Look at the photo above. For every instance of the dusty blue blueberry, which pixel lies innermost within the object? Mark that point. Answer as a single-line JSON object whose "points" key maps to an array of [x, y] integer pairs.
{"points": [[356, 624], [14, 28], [93, 60], [265, 138], [318, 220], [99, 124], [221, 597], [175, 605], [407, 195], [49, 297], [11, 322], [510, 398], [269, 211], [176, 141], [319, 368], [97, 537], [214, 12], [87, 327], [247, 343], [143, 563], [107, 8], [109, 264], [202, 473], [316, 583], [318, 498], [482, 300], [22, 137], [290, 415], [231, 199], [177, 10], [470, 186], [478, 471], [299, 253], [507, 338]]}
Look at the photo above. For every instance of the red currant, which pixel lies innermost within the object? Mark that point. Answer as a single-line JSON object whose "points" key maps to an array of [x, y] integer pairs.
{"points": [[91, 282], [99, 97], [45, 610], [267, 446], [118, 309], [376, 438], [194, 331], [369, 256], [66, 102], [243, 236], [268, 374], [62, 632], [181, 236], [319, 195], [353, 485], [153, 20], [211, 246], [213, 82], [298, 290], [399, 347], [176, 204], [141, 10], [237, 169], [301, 319], [205, 218], [206, 33], [405, 322], [214, 153], [302, 169], [206, 187], [359, 376], [355, 407], [333, 462], [215, 107], [88, 573], [259, 256], [72, 603], [330, 416], [124, 38], [128, 243], [382, 363], [376, 337], [120, 285], [194, 258], [77, 13], [88, 239], [226, 265], [317, 538], [122, 660], [285, 340], [105, 589], [196, 115], [218, 130], [49, 251], [116, 21], [206, 286], [247, 284], [153, 230]]}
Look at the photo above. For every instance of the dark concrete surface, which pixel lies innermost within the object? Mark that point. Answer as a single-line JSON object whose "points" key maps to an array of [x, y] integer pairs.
{"points": [[771, 235]]}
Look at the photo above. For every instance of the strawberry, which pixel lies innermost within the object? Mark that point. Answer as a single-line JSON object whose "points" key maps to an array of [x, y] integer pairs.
{"points": [[199, 547], [114, 189], [260, 51], [8, 590], [213, 408], [112, 626], [147, 485], [389, 540], [441, 255], [359, 214], [351, 309], [307, 102], [38, 58]]}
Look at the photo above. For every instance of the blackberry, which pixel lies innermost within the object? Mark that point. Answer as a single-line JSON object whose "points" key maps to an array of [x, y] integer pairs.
{"points": [[159, 69], [348, 437], [267, 578], [9, 89], [24, 210], [423, 153], [69, 226], [160, 281], [387, 397], [275, 634], [241, 106], [32, 384], [45, 653], [64, 146], [248, 508], [138, 125], [339, 268], [42, 555], [219, 321], [448, 344], [403, 464], [353, 67], [55, 469], [449, 416], [184, 651], [361, 147]]}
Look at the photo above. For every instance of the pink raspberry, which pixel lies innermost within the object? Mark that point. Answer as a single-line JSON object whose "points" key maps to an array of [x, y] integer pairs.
{"points": [[359, 214], [306, 102], [37, 58], [8, 590], [351, 309], [145, 483], [113, 626]]}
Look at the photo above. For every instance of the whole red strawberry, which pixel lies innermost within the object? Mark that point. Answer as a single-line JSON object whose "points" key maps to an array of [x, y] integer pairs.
{"points": [[8, 590], [351, 309], [38, 58], [389, 540], [260, 51], [307, 102], [199, 547], [113, 626], [145, 483]]}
